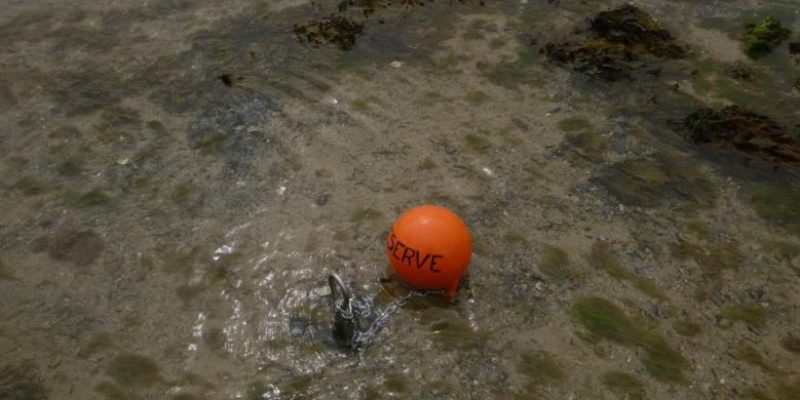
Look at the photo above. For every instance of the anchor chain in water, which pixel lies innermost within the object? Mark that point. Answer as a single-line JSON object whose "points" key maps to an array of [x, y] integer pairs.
{"points": [[352, 313]]}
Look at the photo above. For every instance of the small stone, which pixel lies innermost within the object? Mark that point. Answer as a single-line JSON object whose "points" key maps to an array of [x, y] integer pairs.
{"points": [[322, 199], [395, 64]]}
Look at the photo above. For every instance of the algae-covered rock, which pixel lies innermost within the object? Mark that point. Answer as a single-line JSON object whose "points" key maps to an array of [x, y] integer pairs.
{"points": [[763, 36], [616, 44], [637, 30], [743, 130]]}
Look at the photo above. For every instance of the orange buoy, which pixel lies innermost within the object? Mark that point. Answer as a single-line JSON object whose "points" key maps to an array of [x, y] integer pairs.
{"points": [[429, 247]]}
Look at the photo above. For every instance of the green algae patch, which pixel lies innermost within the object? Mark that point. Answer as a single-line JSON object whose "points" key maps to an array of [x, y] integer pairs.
{"points": [[602, 318], [542, 369], [396, 383], [6, 273], [713, 258], [210, 141], [296, 387], [602, 257], [257, 390], [93, 198], [184, 193], [21, 383], [781, 249], [185, 396], [650, 183], [589, 144], [365, 214], [70, 167], [779, 205], [477, 97], [750, 355], [133, 369], [555, 263], [99, 342], [788, 391], [477, 144], [686, 328], [574, 124], [360, 104], [749, 313], [29, 186], [113, 392], [762, 37], [624, 385], [456, 334]]}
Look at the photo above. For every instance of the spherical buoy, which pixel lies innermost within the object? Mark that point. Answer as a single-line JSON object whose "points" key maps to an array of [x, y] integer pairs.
{"points": [[429, 247]]}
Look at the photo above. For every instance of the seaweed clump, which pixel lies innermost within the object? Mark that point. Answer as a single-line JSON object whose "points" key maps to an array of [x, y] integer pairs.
{"points": [[337, 29], [764, 36], [616, 43], [344, 26], [743, 130]]}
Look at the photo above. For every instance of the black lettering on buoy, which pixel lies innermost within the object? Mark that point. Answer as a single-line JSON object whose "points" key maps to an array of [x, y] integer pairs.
{"points": [[392, 238], [422, 262], [394, 251], [408, 253], [433, 262]]}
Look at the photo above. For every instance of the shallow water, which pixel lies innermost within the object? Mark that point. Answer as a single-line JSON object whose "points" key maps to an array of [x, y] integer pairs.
{"points": [[178, 180]]}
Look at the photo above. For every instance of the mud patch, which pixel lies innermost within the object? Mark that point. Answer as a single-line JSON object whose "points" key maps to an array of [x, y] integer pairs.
{"points": [[133, 369], [6, 273], [21, 383], [649, 183], [79, 248]]}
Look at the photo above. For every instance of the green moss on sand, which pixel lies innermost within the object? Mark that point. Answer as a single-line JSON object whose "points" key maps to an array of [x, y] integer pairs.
{"points": [[602, 257], [601, 317], [750, 313]]}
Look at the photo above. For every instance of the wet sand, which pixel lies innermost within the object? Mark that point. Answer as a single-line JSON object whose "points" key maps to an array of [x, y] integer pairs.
{"points": [[167, 232]]}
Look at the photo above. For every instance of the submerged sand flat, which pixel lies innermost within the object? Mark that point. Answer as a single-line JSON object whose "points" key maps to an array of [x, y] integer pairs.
{"points": [[177, 180]]}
